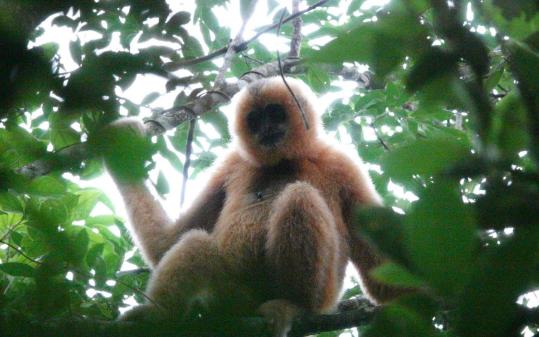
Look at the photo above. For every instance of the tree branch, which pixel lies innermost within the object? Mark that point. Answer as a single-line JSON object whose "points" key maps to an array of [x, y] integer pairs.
{"points": [[18, 250], [173, 66], [73, 155], [250, 326], [295, 43]]}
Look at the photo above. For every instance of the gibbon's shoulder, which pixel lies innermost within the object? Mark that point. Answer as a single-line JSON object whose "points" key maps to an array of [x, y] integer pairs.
{"points": [[349, 172]]}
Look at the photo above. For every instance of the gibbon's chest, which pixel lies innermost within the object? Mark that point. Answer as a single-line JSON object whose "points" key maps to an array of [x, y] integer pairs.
{"points": [[251, 192]]}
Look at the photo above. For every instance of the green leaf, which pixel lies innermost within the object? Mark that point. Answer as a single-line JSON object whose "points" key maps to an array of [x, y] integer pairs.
{"points": [[63, 136], [383, 44], [426, 157], [525, 65], [47, 185], [510, 125], [488, 307], [76, 51], [383, 228], [9, 202], [125, 151], [178, 19], [93, 253], [17, 269], [395, 275], [440, 238], [318, 79], [80, 246], [87, 199], [494, 78], [398, 320], [433, 64]]}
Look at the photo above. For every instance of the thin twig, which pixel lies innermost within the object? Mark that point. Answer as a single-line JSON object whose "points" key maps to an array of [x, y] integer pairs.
{"points": [[11, 229], [231, 50], [379, 137], [173, 66], [281, 72], [20, 252], [295, 43], [188, 151], [250, 58], [137, 271]]}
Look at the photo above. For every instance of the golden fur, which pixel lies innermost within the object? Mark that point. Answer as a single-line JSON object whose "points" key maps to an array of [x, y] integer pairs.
{"points": [[272, 229]]}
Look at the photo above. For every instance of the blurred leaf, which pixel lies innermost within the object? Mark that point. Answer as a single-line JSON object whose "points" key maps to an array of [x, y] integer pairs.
{"points": [[494, 78], [395, 275], [426, 157], [318, 79], [510, 125], [47, 185], [488, 306], [80, 246], [434, 63], [76, 50], [525, 65], [383, 44], [397, 320], [440, 238], [17, 269], [383, 228], [177, 20], [150, 98], [124, 150], [10, 203]]}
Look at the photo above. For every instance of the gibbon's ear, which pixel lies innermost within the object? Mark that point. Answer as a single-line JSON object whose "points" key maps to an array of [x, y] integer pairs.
{"points": [[268, 125]]}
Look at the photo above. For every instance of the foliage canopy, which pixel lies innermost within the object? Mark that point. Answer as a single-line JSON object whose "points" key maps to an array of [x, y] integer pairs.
{"points": [[447, 118]]}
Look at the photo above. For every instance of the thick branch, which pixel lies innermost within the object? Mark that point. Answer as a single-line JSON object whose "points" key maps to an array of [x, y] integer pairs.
{"points": [[252, 326]]}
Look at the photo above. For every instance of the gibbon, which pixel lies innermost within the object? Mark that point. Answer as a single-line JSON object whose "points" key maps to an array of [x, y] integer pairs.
{"points": [[272, 231]]}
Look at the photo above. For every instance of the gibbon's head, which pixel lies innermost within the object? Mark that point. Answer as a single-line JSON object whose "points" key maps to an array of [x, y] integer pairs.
{"points": [[268, 125]]}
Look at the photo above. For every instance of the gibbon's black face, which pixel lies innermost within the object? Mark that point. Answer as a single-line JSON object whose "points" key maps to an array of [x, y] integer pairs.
{"points": [[268, 124]]}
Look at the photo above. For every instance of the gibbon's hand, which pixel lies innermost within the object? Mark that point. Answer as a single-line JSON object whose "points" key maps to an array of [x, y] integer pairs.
{"points": [[125, 149]]}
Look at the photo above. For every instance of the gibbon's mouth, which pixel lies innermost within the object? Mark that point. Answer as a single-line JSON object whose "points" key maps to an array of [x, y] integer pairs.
{"points": [[272, 138]]}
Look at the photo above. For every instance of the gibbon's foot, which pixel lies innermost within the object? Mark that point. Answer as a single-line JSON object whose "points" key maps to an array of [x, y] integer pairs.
{"points": [[280, 315], [143, 313]]}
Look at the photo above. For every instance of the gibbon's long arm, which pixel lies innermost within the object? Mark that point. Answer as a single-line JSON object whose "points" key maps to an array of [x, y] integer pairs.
{"points": [[154, 231], [359, 191]]}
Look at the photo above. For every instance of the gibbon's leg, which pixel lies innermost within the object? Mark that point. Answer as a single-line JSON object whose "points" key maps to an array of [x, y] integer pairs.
{"points": [[302, 249], [188, 275]]}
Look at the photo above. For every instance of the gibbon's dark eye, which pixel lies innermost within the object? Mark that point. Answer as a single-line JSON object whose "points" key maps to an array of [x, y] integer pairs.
{"points": [[254, 121], [276, 113]]}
